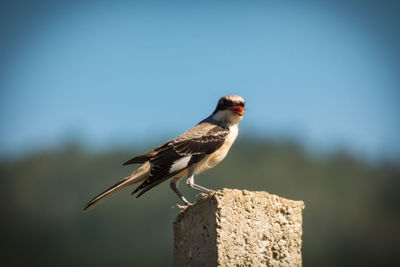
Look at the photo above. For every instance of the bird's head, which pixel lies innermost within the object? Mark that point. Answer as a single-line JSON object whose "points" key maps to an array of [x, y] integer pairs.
{"points": [[230, 109]]}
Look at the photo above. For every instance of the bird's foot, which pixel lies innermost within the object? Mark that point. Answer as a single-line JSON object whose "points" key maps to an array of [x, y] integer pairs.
{"points": [[183, 207], [205, 195], [202, 195], [208, 191], [187, 202]]}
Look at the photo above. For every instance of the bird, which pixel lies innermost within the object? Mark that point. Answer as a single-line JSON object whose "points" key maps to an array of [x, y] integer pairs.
{"points": [[196, 150]]}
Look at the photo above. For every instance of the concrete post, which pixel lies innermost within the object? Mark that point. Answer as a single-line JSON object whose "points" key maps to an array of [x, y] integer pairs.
{"points": [[239, 228]]}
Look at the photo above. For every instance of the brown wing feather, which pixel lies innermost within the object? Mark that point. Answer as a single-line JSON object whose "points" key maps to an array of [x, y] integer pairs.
{"points": [[146, 156], [198, 147], [139, 159]]}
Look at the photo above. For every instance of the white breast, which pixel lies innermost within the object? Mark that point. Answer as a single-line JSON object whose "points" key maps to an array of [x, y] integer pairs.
{"points": [[216, 157]]}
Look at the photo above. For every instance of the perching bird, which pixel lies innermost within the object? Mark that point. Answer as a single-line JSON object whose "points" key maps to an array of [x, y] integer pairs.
{"points": [[197, 150]]}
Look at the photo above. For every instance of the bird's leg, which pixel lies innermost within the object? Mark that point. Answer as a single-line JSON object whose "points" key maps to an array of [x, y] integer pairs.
{"points": [[173, 184], [190, 183]]}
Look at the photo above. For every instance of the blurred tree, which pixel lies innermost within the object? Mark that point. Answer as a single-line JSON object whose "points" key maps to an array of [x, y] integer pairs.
{"points": [[351, 216]]}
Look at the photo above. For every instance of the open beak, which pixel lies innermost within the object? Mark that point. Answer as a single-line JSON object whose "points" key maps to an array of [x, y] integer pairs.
{"points": [[239, 110]]}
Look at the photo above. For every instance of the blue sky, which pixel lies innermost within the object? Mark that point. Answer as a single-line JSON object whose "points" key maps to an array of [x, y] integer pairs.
{"points": [[126, 73]]}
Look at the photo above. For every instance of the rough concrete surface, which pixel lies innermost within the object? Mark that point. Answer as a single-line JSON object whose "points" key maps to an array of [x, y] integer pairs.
{"points": [[239, 228]]}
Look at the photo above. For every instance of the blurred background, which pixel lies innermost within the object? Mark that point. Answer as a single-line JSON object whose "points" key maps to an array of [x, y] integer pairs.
{"points": [[86, 85]]}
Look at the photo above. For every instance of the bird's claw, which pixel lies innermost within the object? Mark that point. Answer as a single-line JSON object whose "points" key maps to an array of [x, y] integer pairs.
{"points": [[183, 207], [205, 195]]}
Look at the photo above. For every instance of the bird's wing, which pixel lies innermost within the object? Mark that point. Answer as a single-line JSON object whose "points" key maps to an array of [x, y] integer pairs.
{"points": [[146, 156], [182, 152]]}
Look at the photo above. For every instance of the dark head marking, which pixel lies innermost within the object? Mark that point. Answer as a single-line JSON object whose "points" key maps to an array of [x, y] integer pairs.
{"points": [[228, 101]]}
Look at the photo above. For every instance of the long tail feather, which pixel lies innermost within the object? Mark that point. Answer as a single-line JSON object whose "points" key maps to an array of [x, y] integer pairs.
{"points": [[137, 176]]}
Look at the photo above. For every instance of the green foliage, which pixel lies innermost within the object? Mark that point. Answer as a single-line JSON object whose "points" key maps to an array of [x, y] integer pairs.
{"points": [[351, 215]]}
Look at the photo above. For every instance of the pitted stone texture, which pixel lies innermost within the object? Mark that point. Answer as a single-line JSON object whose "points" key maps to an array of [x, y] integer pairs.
{"points": [[239, 228]]}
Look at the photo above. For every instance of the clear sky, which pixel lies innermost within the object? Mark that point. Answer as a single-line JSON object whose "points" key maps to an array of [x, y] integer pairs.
{"points": [[115, 73]]}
